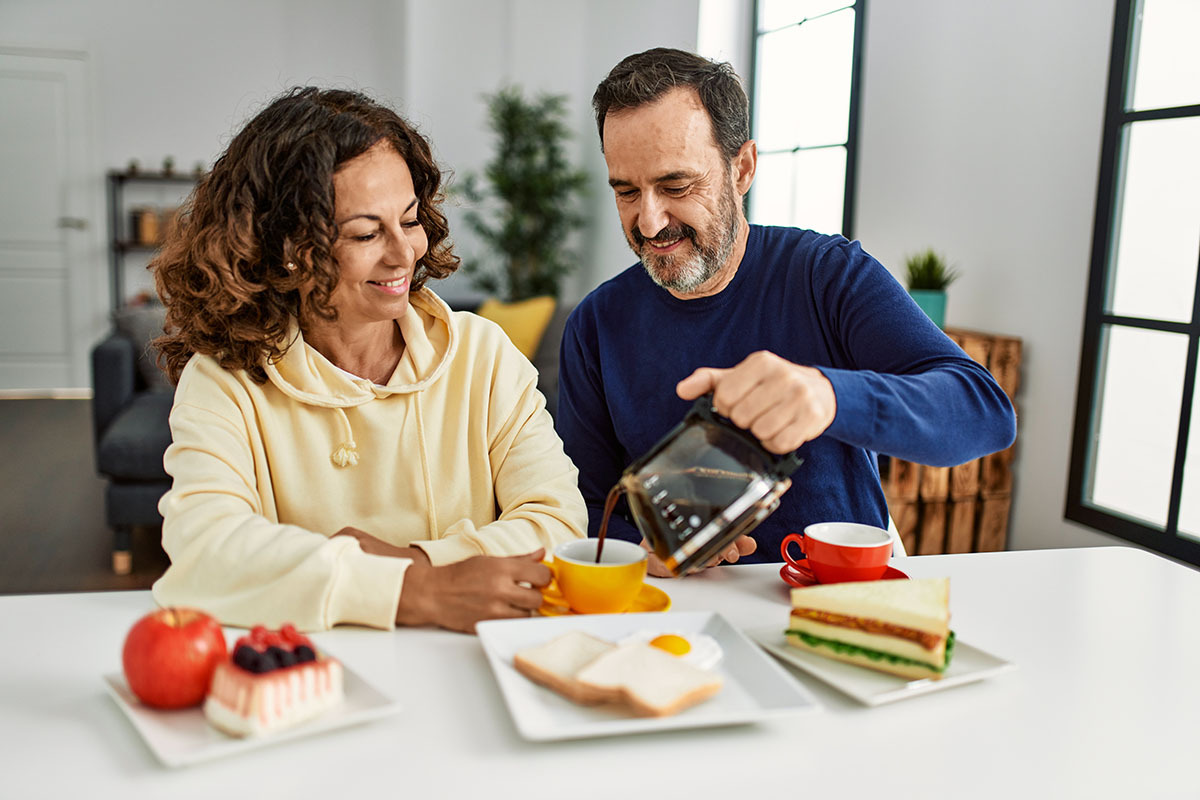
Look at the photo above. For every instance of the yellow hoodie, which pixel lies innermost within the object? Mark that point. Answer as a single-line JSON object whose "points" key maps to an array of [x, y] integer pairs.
{"points": [[456, 455]]}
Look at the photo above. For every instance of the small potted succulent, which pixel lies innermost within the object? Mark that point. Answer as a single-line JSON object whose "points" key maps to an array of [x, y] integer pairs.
{"points": [[928, 277]]}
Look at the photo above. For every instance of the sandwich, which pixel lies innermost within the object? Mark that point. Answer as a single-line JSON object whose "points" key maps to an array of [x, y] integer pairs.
{"points": [[897, 626], [635, 676]]}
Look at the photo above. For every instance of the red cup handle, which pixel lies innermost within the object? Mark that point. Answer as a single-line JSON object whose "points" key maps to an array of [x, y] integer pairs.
{"points": [[798, 538]]}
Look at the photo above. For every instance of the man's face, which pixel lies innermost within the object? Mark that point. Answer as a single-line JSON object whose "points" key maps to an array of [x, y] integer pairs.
{"points": [[675, 192]]}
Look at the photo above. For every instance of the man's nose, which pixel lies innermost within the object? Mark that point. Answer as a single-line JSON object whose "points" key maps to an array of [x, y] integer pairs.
{"points": [[652, 215]]}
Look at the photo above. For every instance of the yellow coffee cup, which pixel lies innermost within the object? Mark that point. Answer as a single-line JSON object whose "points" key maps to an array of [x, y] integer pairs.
{"points": [[586, 587]]}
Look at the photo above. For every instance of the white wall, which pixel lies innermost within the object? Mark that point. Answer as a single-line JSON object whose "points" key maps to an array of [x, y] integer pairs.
{"points": [[981, 132], [179, 79], [556, 46]]}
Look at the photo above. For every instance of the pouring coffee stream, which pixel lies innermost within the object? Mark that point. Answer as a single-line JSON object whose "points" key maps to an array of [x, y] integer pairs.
{"points": [[610, 503], [700, 487]]}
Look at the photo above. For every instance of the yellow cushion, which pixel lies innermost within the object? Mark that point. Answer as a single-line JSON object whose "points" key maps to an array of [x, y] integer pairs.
{"points": [[524, 321]]}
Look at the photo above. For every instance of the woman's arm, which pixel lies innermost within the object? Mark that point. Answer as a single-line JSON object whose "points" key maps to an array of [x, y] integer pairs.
{"points": [[535, 485], [232, 559]]}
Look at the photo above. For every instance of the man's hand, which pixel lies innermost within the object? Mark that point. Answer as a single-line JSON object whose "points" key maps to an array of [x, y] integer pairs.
{"points": [[781, 403], [456, 596], [742, 546]]}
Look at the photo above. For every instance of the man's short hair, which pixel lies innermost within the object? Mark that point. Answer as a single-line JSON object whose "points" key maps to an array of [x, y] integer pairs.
{"points": [[642, 78]]}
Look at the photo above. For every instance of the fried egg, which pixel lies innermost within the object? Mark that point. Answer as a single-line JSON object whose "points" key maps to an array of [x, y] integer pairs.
{"points": [[698, 649]]}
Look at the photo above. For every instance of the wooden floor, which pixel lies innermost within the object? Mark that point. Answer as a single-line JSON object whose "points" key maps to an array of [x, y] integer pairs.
{"points": [[52, 505]]}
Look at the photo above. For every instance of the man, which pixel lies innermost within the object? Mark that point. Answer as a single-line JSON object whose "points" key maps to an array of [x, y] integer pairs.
{"points": [[802, 339]]}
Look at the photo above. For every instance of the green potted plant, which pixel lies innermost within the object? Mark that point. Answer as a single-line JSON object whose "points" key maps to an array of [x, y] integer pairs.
{"points": [[526, 204], [928, 277]]}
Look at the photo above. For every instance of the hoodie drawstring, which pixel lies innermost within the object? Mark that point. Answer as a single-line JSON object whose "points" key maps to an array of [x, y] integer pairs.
{"points": [[347, 453], [431, 510]]}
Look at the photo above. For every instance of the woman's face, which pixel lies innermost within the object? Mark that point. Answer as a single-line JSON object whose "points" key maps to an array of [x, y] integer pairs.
{"points": [[379, 239]]}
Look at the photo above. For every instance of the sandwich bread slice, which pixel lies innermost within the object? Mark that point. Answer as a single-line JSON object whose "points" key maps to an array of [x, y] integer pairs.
{"points": [[651, 682], [555, 663], [897, 626], [643, 679]]}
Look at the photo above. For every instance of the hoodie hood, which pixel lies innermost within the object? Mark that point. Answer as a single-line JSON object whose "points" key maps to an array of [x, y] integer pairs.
{"points": [[430, 341], [308, 377]]}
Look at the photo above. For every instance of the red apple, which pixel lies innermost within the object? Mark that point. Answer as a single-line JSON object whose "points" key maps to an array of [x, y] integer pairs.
{"points": [[170, 655]]}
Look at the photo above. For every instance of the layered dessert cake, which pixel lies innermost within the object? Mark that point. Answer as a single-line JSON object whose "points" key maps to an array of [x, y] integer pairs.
{"points": [[274, 680]]}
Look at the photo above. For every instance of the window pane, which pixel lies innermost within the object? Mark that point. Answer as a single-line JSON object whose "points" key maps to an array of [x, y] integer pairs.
{"points": [[1157, 241], [1189, 503], [774, 14], [802, 96], [771, 200], [1138, 413], [804, 189], [1167, 68]]}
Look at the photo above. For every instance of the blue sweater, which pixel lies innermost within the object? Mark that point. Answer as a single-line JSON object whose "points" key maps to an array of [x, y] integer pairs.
{"points": [[902, 387]]}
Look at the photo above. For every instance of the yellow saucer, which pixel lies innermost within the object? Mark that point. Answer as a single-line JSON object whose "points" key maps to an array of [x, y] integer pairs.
{"points": [[650, 598]]}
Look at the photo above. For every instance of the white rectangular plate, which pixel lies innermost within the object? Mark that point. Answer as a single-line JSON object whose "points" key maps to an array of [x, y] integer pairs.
{"points": [[873, 688], [184, 737], [755, 687]]}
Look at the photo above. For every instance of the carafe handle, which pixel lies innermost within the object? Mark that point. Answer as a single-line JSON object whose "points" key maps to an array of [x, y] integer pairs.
{"points": [[782, 466]]}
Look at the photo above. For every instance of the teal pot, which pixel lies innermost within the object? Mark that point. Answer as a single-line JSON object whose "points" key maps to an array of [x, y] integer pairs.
{"points": [[933, 303]]}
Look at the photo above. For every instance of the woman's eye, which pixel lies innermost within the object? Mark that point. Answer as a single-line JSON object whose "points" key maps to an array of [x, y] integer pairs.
{"points": [[366, 237], [415, 223]]}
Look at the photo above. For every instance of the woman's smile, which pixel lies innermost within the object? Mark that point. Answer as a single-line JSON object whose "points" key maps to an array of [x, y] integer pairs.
{"points": [[394, 287]]}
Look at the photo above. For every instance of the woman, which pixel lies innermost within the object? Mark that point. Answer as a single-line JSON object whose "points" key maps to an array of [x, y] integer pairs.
{"points": [[345, 448]]}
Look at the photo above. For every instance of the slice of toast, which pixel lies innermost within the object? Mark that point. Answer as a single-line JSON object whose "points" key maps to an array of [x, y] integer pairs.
{"points": [[651, 682], [556, 663]]}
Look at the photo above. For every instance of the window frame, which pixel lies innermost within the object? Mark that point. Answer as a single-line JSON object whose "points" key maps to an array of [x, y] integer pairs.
{"points": [[851, 177], [1117, 117]]}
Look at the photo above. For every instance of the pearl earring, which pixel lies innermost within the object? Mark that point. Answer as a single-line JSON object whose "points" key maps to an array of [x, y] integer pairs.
{"points": [[291, 267]]}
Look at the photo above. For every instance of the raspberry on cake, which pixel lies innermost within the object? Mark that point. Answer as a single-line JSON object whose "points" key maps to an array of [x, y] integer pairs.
{"points": [[275, 679]]}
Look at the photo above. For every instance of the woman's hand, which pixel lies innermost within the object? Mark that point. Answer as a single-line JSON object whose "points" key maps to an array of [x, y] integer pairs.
{"points": [[378, 547], [456, 596]]}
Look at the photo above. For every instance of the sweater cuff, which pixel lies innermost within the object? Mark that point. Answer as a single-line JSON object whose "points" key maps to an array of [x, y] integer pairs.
{"points": [[855, 406], [447, 551], [367, 590]]}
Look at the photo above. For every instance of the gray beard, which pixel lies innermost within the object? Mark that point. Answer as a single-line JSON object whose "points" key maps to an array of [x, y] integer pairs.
{"points": [[687, 274]]}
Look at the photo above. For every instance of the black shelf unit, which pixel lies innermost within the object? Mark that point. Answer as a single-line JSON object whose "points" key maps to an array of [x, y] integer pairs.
{"points": [[120, 237]]}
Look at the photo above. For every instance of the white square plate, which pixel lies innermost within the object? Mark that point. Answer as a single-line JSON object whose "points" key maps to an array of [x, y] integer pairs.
{"points": [[184, 737], [874, 688], [755, 687]]}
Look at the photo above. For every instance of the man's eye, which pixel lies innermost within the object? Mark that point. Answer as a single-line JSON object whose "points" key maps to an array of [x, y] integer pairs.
{"points": [[675, 191], [625, 194]]}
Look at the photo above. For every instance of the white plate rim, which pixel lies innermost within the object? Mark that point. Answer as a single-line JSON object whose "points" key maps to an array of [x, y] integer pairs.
{"points": [[497, 637], [363, 703], [872, 687]]}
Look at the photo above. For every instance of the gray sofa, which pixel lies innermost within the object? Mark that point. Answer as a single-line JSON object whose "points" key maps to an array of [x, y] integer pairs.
{"points": [[131, 400]]}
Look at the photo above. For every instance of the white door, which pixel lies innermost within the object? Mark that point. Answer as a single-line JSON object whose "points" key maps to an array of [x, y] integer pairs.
{"points": [[49, 258]]}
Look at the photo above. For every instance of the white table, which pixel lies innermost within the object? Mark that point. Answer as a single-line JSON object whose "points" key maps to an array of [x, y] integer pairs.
{"points": [[1105, 702]]}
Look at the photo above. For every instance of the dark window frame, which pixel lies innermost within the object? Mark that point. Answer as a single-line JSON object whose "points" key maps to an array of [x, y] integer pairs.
{"points": [[1167, 541], [851, 178]]}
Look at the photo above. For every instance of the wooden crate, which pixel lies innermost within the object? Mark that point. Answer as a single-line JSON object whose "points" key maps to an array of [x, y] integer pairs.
{"points": [[966, 508]]}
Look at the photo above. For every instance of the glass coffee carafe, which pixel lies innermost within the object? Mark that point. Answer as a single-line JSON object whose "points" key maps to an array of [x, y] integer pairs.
{"points": [[703, 485]]}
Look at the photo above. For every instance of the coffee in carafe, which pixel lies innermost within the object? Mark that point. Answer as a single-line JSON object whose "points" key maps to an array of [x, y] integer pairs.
{"points": [[703, 485]]}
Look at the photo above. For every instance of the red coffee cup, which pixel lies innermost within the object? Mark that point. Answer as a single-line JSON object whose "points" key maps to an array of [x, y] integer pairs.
{"points": [[836, 552]]}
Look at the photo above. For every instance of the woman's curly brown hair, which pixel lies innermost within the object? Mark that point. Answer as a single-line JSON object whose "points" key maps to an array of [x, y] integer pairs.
{"points": [[268, 202]]}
